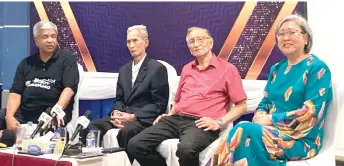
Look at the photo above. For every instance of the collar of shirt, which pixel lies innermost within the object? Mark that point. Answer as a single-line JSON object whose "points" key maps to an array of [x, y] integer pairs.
{"points": [[136, 68], [54, 57], [213, 62]]}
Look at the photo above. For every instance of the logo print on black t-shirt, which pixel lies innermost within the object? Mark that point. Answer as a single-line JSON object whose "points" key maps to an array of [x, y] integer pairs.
{"points": [[40, 83]]}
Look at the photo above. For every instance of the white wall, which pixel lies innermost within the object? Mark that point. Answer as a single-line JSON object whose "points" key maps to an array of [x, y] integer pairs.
{"points": [[4, 97], [326, 20]]}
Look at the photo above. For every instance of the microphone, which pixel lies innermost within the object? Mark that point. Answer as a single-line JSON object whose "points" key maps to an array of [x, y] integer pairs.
{"points": [[82, 123], [43, 120], [57, 111]]}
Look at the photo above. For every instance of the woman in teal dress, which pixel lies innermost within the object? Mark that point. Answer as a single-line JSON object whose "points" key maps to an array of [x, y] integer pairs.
{"points": [[289, 121]]}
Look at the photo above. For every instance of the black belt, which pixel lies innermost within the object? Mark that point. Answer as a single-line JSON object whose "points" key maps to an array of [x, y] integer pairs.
{"points": [[189, 116]]}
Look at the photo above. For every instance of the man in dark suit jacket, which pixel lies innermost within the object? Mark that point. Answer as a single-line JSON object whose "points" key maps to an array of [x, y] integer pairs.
{"points": [[142, 91]]}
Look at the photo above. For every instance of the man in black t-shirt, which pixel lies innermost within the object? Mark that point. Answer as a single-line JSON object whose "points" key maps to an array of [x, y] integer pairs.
{"points": [[47, 79]]}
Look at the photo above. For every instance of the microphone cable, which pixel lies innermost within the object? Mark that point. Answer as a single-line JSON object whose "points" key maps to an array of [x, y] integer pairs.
{"points": [[15, 148]]}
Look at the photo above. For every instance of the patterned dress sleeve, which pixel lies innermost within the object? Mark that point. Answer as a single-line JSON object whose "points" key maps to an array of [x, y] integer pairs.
{"points": [[265, 104], [298, 123]]}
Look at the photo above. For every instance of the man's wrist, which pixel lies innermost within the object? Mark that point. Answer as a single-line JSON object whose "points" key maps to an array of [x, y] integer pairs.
{"points": [[133, 116], [58, 106], [111, 113], [58, 110], [221, 123], [9, 116]]}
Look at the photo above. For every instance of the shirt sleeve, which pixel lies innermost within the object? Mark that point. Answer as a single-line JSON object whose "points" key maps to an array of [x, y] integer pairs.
{"points": [[70, 72], [318, 95], [18, 84], [234, 87]]}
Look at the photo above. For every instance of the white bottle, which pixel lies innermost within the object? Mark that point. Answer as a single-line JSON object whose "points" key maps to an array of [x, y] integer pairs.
{"points": [[91, 140], [29, 130]]}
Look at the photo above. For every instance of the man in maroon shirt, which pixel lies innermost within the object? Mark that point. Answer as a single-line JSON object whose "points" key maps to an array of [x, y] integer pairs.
{"points": [[207, 86]]}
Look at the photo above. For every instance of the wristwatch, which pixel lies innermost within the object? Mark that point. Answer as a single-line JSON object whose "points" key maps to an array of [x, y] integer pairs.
{"points": [[221, 123]]}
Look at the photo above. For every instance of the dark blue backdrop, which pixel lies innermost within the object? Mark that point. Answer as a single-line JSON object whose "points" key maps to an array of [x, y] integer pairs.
{"points": [[103, 26]]}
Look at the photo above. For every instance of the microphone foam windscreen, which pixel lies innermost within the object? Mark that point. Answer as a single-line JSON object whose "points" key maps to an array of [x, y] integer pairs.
{"points": [[88, 113]]}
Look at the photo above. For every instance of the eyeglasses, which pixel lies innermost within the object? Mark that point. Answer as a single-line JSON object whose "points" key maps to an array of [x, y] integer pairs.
{"points": [[288, 33], [200, 40]]}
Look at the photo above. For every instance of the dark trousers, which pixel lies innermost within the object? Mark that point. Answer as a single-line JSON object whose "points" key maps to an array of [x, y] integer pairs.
{"points": [[124, 135], [192, 141], [17, 115]]}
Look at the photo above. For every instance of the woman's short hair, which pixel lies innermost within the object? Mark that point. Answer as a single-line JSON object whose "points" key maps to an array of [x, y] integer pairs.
{"points": [[305, 28]]}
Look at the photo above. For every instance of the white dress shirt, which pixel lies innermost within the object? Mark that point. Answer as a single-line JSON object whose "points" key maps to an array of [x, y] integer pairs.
{"points": [[135, 70]]}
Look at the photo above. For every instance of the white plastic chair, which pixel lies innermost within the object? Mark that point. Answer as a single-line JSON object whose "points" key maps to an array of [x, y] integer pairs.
{"points": [[75, 113], [172, 82]]}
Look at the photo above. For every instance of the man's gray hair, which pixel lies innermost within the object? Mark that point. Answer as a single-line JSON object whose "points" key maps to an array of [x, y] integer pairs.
{"points": [[141, 28], [194, 28], [43, 25], [305, 29]]}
